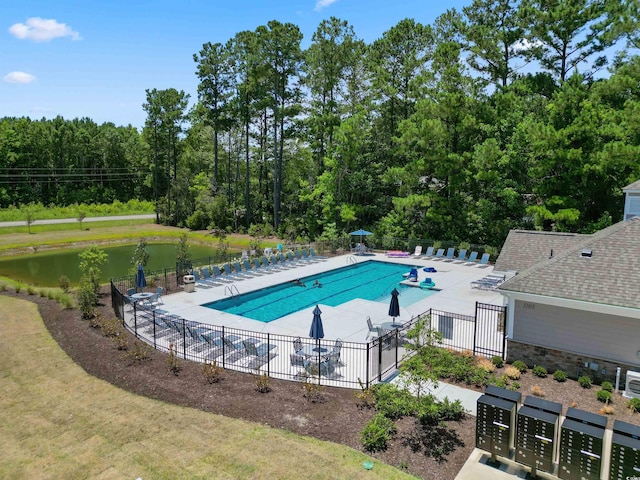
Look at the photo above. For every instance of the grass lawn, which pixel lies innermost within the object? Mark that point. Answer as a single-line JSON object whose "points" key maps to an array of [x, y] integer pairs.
{"points": [[56, 421]]}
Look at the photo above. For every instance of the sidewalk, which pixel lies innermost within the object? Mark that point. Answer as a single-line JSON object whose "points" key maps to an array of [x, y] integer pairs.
{"points": [[50, 221]]}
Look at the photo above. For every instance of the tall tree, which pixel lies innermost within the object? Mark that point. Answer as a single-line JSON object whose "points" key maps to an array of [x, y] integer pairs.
{"points": [[215, 71], [567, 33], [494, 33]]}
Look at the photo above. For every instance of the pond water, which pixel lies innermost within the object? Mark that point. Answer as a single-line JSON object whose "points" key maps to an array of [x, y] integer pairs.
{"points": [[45, 268]]}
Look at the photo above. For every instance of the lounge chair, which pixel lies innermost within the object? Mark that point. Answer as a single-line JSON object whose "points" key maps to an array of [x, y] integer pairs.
{"points": [[292, 260], [239, 271], [429, 252], [200, 281], [472, 258], [314, 255], [439, 254], [258, 266], [484, 260], [206, 274], [462, 256], [249, 269], [449, 256], [413, 275], [267, 265], [222, 276], [417, 252], [258, 355]]}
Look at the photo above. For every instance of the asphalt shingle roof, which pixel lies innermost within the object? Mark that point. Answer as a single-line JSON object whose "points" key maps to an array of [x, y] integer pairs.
{"points": [[634, 186], [525, 248], [611, 276]]}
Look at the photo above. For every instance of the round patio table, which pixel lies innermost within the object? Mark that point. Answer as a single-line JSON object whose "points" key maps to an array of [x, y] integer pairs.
{"points": [[313, 350], [138, 297]]}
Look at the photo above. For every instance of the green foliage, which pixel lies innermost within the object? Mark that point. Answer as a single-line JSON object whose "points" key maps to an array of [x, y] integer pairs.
{"points": [[87, 299], [263, 382], [182, 251], [520, 365], [604, 396], [633, 404], [140, 254], [64, 283], [377, 433], [584, 381], [91, 262], [392, 401], [497, 361], [539, 371], [607, 386], [173, 363], [560, 376], [212, 372]]}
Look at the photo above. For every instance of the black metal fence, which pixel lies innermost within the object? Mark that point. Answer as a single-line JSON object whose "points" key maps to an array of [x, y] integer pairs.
{"points": [[277, 356]]}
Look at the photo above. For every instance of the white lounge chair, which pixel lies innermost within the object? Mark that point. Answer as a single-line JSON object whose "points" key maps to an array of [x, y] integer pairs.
{"points": [[417, 252]]}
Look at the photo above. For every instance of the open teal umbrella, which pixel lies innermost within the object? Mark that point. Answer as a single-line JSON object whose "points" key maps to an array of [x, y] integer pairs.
{"points": [[361, 233]]}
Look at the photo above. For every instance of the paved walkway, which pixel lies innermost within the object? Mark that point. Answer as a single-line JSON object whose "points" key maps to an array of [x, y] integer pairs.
{"points": [[51, 221]]}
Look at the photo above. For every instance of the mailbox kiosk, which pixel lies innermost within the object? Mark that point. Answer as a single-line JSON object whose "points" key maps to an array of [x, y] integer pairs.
{"points": [[625, 451], [581, 444], [537, 423], [495, 421]]}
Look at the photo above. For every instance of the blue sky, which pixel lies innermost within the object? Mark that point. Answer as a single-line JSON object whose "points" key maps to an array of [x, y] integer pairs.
{"points": [[91, 58]]}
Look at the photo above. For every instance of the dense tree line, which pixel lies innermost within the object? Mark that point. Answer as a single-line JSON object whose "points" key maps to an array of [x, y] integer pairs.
{"points": [[504, 115]]}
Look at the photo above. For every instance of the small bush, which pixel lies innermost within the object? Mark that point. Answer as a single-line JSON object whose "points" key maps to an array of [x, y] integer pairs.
{"points": [[520, 365], [584, 381], [512, 372], [560, 376], [393, 401], [515, 386], [634, 405], [377, 433], [172, 360], [31, 290], [365, 396], [604, 396], [607, 410], [42, 292], [539, 371], [497, 361], [312, 391], [608, 386], [537, 391], [502, 382], [139, 351], [487, 365], [263, 382], [212, 372], [18, 287], [64, 283]]}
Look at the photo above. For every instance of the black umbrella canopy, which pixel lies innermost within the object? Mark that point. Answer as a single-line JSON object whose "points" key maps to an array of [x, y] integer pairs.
{"points": [[317, 331], [394, 306]]}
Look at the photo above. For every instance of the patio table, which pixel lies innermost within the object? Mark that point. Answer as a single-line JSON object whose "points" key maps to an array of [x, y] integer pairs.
{"points": [[313, 350], [142, 296]]}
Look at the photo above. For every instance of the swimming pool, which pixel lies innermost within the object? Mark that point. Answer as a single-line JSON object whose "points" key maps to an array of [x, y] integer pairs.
{"points": [[371, 280]]}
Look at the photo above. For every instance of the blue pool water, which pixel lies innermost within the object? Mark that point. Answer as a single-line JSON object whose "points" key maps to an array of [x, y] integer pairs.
{"points": [[370, 280]]}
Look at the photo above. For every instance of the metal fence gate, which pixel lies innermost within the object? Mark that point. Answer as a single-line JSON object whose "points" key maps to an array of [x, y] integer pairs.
{"points": [[490, 336]]}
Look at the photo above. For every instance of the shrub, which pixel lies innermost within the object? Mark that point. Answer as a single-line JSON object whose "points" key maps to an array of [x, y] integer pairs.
{"points": [[512, 372], [393, 402], [537, 391], [64, 283], [42, 292], [263, 382], [584, 381], [604, 396], [560, 376], [607, 410], [520, 365], [377, 433], [172, 360], [365, 395], [539, 371], [140, 351], [18, 287], [502, 382], [312, 390], [212, 372], [486, 365], [515, 386], [3, 287], [497, 361], [608, 386], [31, 290], [634, 405]]}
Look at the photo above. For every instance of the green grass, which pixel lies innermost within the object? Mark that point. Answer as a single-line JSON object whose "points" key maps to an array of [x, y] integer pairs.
{"points": [[58, 422]]}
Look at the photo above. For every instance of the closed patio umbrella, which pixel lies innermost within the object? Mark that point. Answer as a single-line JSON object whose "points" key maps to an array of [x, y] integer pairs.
{"points": [[317, 332], [394, 306], [141, 282]]}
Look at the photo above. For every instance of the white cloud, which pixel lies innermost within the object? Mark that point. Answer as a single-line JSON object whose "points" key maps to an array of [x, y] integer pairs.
{"points": [[18, 77], [525, 45], [320, 4], [43, 30]]}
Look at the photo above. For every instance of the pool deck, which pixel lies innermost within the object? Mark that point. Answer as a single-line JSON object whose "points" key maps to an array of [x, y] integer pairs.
{"points": [[346, 321]]}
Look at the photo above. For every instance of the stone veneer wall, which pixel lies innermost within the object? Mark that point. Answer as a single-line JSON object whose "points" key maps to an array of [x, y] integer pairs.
{"points": [[571, 363]]}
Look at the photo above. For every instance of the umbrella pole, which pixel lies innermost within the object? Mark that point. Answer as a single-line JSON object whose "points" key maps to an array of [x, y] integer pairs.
{"points": [[318, 348]]}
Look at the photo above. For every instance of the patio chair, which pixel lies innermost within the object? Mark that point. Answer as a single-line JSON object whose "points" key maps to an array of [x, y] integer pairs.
{"points": [[413, 275], [222, 276], [429, 252], [484, 260], [206, 274], [472, 258], [449, 256], [372, 328], [200, 282], [131, 291], [462, 254], [238, 269], [267, 265], [297, 345], [314, 255], [417, 252], [157, 298], [297, 364], [439, 254]]}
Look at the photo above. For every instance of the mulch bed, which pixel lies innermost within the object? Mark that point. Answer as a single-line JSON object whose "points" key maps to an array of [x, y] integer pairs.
{"points": [[338, 417]]}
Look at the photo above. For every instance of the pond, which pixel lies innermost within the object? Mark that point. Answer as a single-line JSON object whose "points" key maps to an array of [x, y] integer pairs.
{"points": [[45, 268]]}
